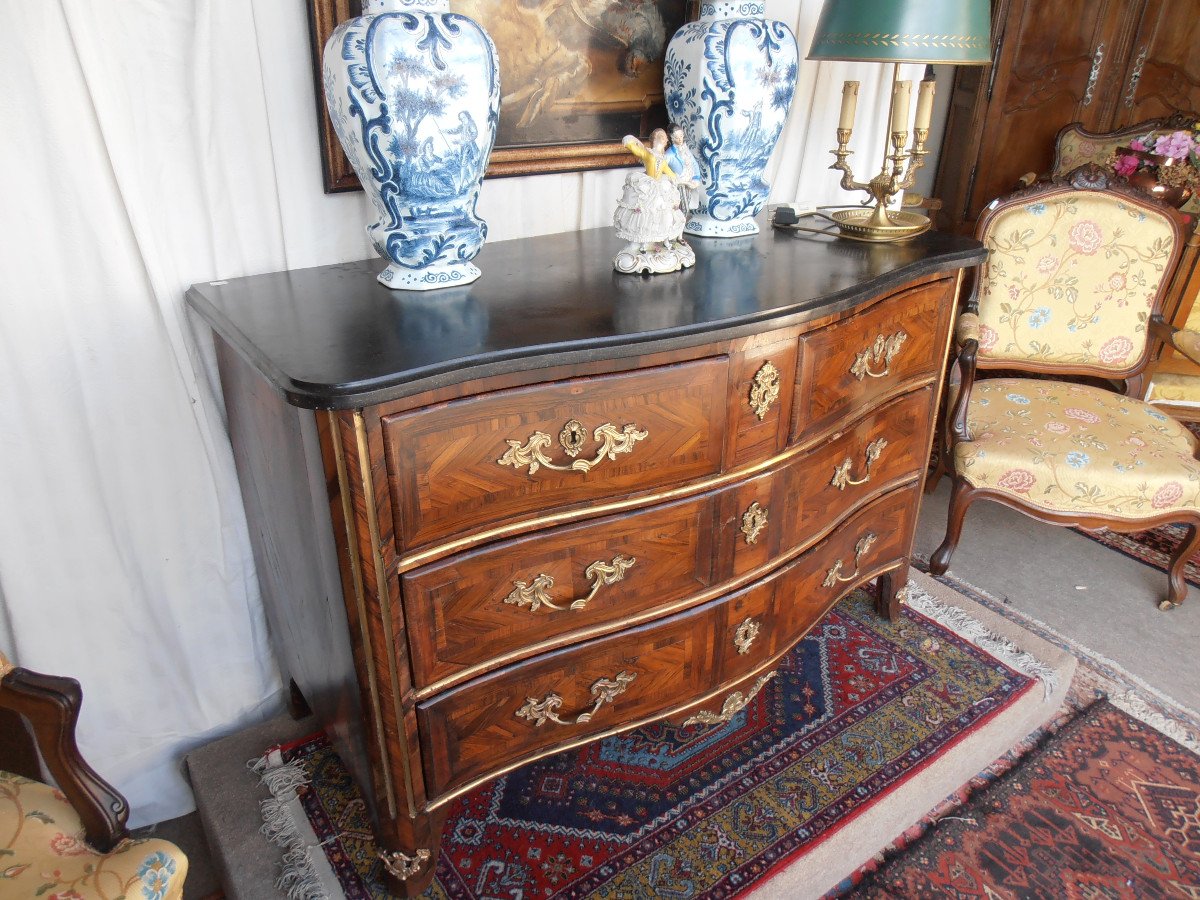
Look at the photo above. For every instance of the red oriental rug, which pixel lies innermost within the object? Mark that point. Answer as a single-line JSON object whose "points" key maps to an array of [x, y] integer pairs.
{"points": [[1107, 807], [857, 708]]}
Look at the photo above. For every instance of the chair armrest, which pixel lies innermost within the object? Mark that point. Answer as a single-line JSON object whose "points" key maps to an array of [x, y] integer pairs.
{"points": [[957, 421], [1186, 342], [50, 704], [967, 328]]}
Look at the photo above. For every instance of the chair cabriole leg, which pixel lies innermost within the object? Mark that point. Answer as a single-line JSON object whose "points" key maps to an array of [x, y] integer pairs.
{"points": [[1177, 586], [959, 501]]}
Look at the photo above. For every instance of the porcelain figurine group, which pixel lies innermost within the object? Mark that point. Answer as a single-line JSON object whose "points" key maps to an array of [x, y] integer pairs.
{"points": [[652, 210]]}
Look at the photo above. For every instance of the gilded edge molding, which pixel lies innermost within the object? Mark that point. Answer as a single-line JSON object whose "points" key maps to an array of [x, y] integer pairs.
{"points": [[414, 559], [360, 605], [385, 602], [694, 600], [454, 793]]}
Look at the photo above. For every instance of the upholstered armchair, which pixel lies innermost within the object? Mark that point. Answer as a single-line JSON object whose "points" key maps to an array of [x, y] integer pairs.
{"points": [[1072, 288], [69, 841]]}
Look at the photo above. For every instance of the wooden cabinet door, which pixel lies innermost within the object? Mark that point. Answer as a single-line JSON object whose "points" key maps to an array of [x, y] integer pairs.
{"points": [[1055, 64], [1163, 73]]}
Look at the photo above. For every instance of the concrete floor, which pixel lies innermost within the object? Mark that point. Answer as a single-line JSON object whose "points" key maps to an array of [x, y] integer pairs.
{"points": [[1088, 593], [1095, 596]]}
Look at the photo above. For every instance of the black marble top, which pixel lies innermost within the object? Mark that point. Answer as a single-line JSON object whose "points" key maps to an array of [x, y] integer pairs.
{"points": [[334, 338]]}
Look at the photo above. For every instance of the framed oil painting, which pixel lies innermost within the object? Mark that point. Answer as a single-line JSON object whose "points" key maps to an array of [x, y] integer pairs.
{"points": [[575, 77]]}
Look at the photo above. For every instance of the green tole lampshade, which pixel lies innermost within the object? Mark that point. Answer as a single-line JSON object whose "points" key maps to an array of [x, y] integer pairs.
{"points": [[957, 32]]}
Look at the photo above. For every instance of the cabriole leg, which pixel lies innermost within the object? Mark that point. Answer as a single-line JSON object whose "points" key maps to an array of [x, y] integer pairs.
{"points": [[1177, 586], [893, 590], [960, 499]]}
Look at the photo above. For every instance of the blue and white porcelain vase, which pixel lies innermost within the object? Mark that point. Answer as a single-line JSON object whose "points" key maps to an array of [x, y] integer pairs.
{"points": [[729, 79], [414, 94]]}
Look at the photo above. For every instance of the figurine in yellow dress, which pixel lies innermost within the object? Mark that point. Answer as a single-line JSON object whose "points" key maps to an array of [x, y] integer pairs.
{"points": [[648, 214]]}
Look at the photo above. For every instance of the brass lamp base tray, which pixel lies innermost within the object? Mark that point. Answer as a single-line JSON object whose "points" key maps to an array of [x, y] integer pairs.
{"points": [[857, 223]]}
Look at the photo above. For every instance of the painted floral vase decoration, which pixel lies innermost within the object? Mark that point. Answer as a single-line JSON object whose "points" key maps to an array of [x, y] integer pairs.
{"points": [[729, 79], [413, 91], [1165, 164]]}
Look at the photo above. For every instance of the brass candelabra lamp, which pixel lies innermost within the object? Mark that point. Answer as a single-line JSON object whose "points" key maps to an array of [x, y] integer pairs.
{"points": [[900, 164], [956, 32]]}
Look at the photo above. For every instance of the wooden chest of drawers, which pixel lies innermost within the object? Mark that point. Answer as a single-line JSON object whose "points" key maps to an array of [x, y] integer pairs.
{"points": [[496, 522]]}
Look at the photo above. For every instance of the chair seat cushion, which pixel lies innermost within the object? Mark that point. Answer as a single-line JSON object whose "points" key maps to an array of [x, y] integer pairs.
{"points": [[1076, 449], [43, 854]]}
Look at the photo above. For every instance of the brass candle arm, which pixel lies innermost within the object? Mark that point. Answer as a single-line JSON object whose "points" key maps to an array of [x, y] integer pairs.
{"points": [[898, 172]]}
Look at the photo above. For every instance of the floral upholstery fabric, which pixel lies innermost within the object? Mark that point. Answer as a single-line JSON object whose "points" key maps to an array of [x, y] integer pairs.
{"points": [[1069, 448], [1170, 387], [1071, 279], [1075, 149], [43, 854]]}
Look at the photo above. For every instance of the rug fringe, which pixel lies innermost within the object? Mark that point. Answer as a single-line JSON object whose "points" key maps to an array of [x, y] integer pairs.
{"points": [[965, 625], [299, 878], [1131, 703]]}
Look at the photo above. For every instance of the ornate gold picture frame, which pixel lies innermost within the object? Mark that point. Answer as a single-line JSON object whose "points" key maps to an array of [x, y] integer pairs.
{"points": [[576, 76]]}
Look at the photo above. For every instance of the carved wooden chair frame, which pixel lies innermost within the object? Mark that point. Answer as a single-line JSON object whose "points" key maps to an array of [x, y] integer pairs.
{"points": [[44, 710], [1160, 334], [1179, 120]]}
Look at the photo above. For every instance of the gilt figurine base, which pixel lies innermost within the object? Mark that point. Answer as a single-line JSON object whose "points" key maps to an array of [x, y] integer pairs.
{"points": [[635, 259]]}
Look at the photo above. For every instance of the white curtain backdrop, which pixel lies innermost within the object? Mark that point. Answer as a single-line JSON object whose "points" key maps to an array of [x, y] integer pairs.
{"points": [[148, 145]]}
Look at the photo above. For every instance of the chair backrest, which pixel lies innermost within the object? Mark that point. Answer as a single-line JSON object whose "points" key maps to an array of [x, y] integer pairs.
{"points": [[1075, 269], [1075, 146]]}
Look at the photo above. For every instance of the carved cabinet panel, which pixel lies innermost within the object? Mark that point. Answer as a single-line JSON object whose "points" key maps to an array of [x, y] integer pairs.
{"points": [[1163, 73], [1105, 63]]}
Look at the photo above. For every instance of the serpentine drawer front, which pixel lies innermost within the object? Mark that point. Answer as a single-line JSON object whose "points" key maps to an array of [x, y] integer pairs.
{"points": [[499, 456], [501, 600], [873, 354], [558, 700], [499, 521]]}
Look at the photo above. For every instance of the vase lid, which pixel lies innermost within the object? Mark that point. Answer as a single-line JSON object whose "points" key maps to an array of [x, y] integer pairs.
{"points": [[375, 7], [732, 9]]}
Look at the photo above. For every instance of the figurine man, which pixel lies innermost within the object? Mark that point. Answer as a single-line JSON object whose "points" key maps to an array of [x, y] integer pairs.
{"points": [[687, 172]]}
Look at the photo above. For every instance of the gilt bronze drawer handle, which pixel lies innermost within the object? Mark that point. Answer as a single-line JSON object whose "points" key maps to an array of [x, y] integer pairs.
{"points": [[733, 705], [880, 353], [744, 635], [537, 594], [754, 520], [834, 575], [612, 441], [841, 475], [765, 389], [546, 709]]}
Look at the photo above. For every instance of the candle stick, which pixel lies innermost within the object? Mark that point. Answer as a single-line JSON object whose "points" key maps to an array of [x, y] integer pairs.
{"points": [[849, 102], [924, 105], [900, 106]]}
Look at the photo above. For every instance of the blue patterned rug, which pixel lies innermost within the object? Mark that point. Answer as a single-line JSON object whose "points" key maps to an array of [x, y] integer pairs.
{"points": [[671, 812]]}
